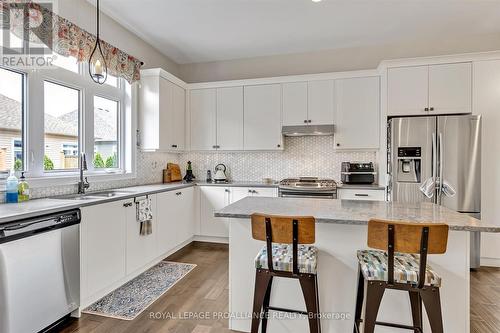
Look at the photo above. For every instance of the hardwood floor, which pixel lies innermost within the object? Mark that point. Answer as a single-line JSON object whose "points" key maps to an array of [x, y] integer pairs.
{"points": [[205, 289]]}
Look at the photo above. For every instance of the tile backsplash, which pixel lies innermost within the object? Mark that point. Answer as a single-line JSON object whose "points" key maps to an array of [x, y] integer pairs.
{"points": [[302, 156]]}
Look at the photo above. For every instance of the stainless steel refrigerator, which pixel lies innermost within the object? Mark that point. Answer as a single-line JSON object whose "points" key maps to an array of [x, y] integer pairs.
{"points": [[437, 159]]}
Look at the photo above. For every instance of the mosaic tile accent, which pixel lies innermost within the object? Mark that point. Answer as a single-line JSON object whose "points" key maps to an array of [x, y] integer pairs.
{"points": [[302, 156]]}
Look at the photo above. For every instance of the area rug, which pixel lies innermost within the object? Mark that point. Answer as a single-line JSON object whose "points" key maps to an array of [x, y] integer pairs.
{"points": [[129, 300]]}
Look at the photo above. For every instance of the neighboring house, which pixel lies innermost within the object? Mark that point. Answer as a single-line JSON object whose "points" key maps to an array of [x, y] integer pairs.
{"points": [[61, 143]]}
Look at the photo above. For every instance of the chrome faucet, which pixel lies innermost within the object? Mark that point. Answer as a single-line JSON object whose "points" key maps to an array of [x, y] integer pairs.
{"points": [[83, 184]]}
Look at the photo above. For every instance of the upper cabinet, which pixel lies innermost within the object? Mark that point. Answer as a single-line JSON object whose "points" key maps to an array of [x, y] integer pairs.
{"points": [[429, 89], [450, 88], [320, 102], [357, 122], [262, 117], [217, 118], [294, 103], [203, 108], [308, 103], [162, 111], [230, 118]]}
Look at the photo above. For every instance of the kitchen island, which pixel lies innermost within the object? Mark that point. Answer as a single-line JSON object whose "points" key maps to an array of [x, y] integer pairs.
{"points": [[341, 230]]}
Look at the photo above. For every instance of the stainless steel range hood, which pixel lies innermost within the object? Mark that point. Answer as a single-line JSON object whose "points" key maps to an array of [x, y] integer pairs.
{"points": [[307, 130]]}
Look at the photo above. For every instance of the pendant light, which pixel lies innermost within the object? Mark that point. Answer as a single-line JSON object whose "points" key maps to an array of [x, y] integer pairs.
{"points": [[98, 69]]}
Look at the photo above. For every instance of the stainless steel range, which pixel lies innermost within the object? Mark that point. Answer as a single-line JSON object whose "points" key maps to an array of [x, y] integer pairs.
{"points": [[308, 187]]}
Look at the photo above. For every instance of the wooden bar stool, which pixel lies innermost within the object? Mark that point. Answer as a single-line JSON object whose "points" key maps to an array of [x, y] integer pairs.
{"points": [[398, 267], [296, 261]]}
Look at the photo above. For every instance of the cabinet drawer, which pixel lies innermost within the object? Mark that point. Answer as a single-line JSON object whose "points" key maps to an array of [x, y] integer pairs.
{"points": [[361, 194]]}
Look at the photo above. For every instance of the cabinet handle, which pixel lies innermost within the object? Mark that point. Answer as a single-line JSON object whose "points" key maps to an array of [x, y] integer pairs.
{"points": [[214, 147], [178, 193], [278, 145], [249, 191], [226, 190], [360, 195], [127, 204], [305, 121], [431, 109], [217, 146], [174, 146], [426, 109], [254, 191], [309, 121], [338, 144]]}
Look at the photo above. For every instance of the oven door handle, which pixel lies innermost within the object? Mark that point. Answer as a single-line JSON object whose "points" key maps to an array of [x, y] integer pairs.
{"points": [[301, 195]]}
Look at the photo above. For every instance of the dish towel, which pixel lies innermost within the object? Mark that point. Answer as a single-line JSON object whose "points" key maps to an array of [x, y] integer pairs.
{"points": [[144, 216], [428, 187]]}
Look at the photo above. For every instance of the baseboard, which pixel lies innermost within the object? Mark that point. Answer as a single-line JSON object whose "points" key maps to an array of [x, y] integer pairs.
{"points": [[490, 262], [210, 239]]}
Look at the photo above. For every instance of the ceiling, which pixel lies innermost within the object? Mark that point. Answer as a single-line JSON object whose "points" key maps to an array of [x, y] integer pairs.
{"points": [[192, 31]]}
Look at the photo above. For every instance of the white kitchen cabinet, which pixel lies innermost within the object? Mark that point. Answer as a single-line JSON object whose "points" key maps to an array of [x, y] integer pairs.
{"points": [[361, 194], [429, 89], [238, 193], [184, 205], [141, 249], [358, 113], [320, 102], [213, 198], [175, 218], [262, 117], [230, 118], [294, 103], [486, 103], [203, 108], [103, 246], [407, 91], [162, 113], [450, 88]]}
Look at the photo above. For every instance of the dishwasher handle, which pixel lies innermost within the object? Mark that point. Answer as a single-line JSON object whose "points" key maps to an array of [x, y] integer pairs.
{"points": [[29, 227]]}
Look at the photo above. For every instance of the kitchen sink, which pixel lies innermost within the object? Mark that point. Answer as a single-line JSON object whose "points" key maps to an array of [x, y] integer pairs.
{"points": [[92, 195]]}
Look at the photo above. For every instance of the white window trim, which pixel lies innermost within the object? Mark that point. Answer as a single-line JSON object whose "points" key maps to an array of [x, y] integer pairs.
{"points": [[34, 143]]}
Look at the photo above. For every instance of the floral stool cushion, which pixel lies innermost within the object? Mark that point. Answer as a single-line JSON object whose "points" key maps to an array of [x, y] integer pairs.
{"points": [[373, 265], [282, 258]]}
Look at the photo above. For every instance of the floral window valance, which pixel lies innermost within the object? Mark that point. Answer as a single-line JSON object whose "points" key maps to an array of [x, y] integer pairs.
{"points": [[66, 38]]}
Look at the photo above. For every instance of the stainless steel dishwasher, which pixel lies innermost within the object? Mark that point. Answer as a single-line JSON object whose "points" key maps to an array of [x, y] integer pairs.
{"points": [[39, 271]]}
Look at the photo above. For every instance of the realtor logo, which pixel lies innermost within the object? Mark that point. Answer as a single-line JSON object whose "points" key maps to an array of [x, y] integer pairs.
{"points": [[27, 35]]}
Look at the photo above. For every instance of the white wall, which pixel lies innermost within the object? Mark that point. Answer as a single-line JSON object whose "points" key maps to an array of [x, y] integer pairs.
{"points": [[333, 60], [83, 14]]}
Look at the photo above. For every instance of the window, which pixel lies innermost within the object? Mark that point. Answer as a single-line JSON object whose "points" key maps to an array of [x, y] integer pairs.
{"points": [[106, 125], [11, 121], [68, 114], [61, 119]]}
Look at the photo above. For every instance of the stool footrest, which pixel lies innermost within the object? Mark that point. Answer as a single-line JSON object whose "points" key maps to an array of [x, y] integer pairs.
{"points": [[274, 308], [407, 327]]}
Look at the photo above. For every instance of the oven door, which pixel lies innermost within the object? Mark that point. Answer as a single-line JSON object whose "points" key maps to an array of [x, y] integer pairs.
{"points": [[309, 194]]}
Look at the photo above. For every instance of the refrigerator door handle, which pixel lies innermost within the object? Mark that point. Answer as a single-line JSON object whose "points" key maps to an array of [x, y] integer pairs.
{"points": [[440, 177], [434, 156]]}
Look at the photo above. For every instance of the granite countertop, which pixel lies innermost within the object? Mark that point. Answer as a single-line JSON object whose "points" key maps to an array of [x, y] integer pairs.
{"points": [[37, 207], [355, 212], [238, 184]]}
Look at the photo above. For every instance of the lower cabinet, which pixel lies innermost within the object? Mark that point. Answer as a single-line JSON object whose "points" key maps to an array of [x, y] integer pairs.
{"points": [[213, 198], [175, 220], [141, 249], [361, 194], [103, 246]]}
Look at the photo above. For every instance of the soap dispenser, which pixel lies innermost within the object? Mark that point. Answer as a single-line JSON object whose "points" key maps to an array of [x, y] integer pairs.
{"points": [[23, 189], [11, 190]]}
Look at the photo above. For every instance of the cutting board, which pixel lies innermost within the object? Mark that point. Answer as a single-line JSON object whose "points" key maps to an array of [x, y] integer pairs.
{"points": [[172, 173]]}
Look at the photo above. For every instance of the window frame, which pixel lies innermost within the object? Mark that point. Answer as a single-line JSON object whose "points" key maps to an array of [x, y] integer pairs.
{"points": [[33, 115], [24, 111]]}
